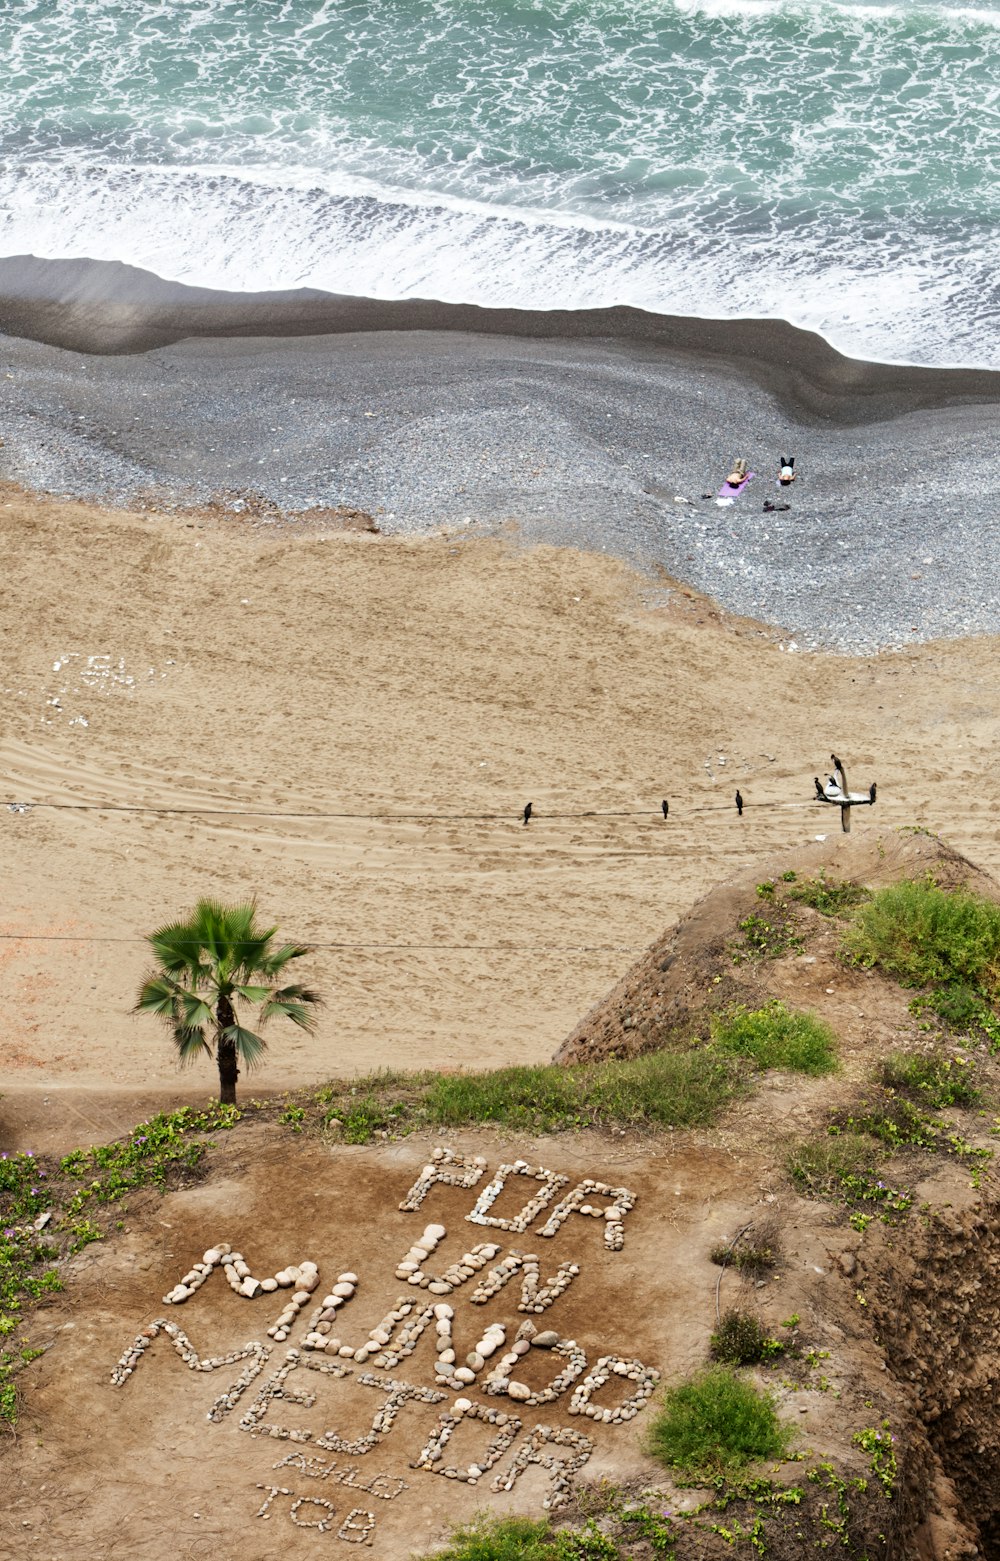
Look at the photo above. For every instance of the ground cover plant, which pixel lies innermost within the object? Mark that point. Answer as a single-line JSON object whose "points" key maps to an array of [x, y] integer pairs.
{"points": [[526, 1539], [716, 1423], [776, 1037], [51, 1207]]}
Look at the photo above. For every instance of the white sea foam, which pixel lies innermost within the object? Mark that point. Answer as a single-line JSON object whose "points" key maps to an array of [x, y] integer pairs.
{"points": [[208, 229], [831, 161]]}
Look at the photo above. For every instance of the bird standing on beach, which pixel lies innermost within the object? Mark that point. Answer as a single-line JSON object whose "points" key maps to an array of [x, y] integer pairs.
{"points": [[665, 805], [527, 811], [739, 804], [819, 789]]}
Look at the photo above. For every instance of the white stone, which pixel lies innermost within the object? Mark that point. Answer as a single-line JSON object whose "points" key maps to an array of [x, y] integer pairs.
{"points": [[269, 1285], [347, 1279], [344, 1291], [463, 1374], [519, 1390], [461, 1405], [435, 1233]]}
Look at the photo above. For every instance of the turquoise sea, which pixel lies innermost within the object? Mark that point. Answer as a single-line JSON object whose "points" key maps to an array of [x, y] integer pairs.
{"points": [[831, 163]]}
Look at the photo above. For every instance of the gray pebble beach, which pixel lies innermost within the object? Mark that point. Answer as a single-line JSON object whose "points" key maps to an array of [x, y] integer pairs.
{"points": [[603, 442]]}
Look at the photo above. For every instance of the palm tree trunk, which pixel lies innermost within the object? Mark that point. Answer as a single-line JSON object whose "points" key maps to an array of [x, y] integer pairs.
{"points": [[226, 1053]]}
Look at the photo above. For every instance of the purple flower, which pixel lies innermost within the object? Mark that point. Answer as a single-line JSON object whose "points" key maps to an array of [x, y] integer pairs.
{"points": [[141, 1139]]}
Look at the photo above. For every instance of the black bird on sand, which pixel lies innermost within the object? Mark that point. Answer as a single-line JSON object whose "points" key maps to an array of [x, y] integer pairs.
{"points": [[871, 790], [821, 794], [527, 811], [665, 805], [739, 804]]}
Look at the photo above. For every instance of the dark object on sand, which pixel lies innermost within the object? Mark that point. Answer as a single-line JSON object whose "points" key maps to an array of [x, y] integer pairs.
{"points": [[739, 804], [527, 811], [819, 789], [786, 470], [769, 507], [665, 805]]}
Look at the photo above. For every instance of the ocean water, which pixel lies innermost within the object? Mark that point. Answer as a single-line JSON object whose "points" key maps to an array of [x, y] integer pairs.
{"points": [[832, 163]]}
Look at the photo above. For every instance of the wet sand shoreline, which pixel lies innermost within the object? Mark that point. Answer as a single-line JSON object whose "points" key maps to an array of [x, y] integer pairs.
{"points": [[107, 307]]}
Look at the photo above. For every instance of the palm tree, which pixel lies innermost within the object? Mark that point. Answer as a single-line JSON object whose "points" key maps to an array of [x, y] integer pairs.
{"points": [[208, 965]]}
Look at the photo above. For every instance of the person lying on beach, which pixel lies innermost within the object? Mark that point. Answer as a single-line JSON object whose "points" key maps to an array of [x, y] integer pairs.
{"points": [[786, 470], [738, 475]]}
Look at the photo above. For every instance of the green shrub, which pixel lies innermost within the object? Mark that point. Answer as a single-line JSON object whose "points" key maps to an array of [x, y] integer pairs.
{"points": [[830, 897], [775, 1037], [934, 1078], [740, 1339], [716, 1424], [928, 936]]}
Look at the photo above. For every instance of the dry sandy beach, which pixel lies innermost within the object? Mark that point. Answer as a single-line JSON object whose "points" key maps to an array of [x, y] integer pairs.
{"points": [[349, 726], [410, 694]]}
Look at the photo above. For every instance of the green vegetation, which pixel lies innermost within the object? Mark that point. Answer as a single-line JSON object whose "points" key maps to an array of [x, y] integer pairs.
{"points": [[207, 968], [831, 897], [661, 1089], [774, 1037], [740, 1340], [752, 1257], [879, 1445], [765, 937], [844, 1168], [42, 1204], [931, 1077], [716, 1424], [526, 1539], [926, 936]]}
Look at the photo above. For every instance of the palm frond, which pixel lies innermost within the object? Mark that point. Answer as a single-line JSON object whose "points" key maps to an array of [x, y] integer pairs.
{"points": [[252, 994], [249, 1047], [160, 994], [190, 1042], [293, 1002], [178, 947], [277, 959], [195, 1010]]}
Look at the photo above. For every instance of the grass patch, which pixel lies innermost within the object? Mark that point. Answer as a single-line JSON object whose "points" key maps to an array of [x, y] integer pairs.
{"points": [[926, 936], [829, 896], [488, 1538], [775, 1037], [932, 1078], [716, 1424], [661, 1089], [842, 1167]]}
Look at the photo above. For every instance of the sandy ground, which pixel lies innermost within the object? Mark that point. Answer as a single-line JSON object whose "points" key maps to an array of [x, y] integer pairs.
{"points": [[209, 664], [179, 1485]]}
